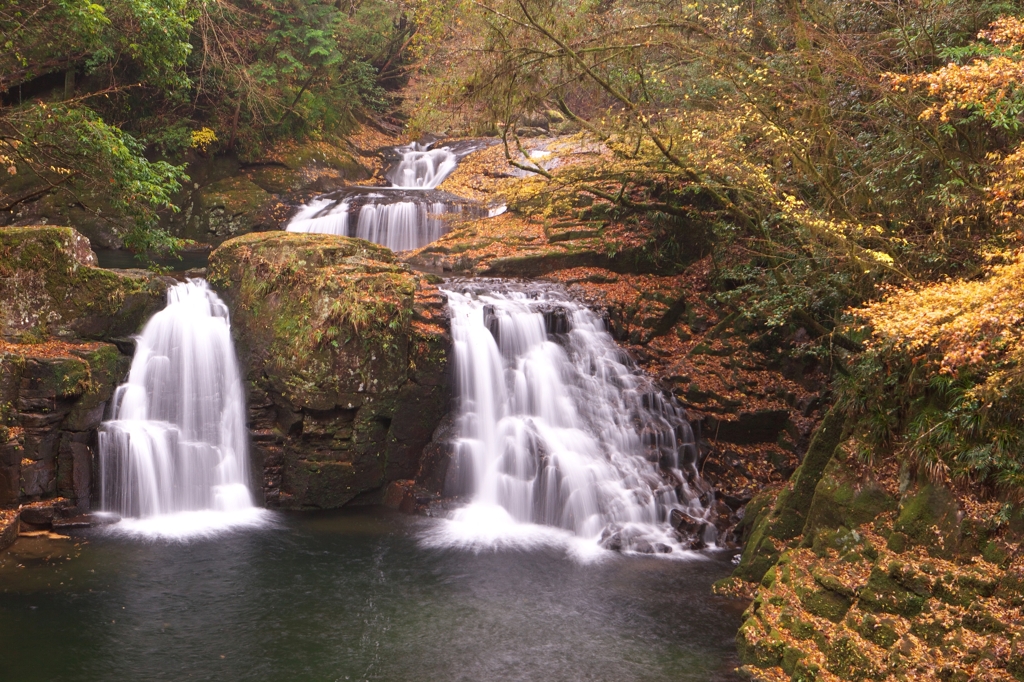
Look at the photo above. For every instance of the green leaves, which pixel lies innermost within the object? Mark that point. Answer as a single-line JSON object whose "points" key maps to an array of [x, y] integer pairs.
{"points": [[75, 151]]}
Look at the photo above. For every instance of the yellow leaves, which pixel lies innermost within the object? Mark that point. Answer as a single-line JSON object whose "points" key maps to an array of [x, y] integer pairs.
{"points": [[958, 324], [203, 138], [1006, 190], [881, 257], [984, 84], [1007, 31]]}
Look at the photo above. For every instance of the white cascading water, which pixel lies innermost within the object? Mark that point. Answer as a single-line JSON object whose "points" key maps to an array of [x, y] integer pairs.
{"points": [[400, 226], [557, 428], [422, 167], [405, 225], [322, 216], [400, 222], [174, 457]]}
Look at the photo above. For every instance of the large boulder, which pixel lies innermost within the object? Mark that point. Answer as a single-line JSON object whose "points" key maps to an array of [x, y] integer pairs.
{"points": [[50, 288], [56, 374], [344, 351], [228, 208], [52, 398]]}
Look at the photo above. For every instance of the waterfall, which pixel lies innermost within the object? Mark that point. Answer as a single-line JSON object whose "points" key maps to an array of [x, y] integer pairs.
{"points": [[406, 215], [556, 427], [322, 216], [174, 457], [401, 225], [422, 167]]}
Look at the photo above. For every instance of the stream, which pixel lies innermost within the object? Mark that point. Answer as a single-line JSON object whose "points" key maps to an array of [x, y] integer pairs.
{"points": [[354, 595], [573, 552]]}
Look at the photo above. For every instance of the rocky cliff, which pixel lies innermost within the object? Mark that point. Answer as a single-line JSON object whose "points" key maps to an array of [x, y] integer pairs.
{"points": [[62, 322], [894, 552], [344, 352]]}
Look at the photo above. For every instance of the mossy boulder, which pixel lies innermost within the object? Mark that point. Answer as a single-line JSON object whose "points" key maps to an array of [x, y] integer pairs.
{"points": [[319, 166], [846, 496], [50, 287], [930, 517], [785, 520], [859, 608], [345, 352], [228, 207], [52, 398]]}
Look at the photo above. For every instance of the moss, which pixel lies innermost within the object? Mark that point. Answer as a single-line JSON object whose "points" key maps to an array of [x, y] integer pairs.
{"points": [[843, 499], [826, 604], [49, 288], [70, 377], [764, 650], [791, 657], [788, 516], [879, 631], [320, 154], [981, 620], [930, 517], [329, 316], [331, 330], [845, 659], [883, 594], [963, 589], [327, 485]]}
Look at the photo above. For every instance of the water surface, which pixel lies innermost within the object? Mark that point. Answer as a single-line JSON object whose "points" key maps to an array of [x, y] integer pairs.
{"points": [[354, 595]]}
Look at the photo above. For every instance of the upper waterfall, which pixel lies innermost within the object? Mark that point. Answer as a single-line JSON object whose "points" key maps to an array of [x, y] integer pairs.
{"points": [[177, 441], [407, 214], [422, 167], [555, 426]]}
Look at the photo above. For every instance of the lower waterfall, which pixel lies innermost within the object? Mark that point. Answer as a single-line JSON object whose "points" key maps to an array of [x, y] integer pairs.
{"points": [[558, 429], [174, 457]]}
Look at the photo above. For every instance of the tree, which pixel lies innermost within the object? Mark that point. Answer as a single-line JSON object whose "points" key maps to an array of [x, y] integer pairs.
{"points": [[65, 145], [772, 121]]}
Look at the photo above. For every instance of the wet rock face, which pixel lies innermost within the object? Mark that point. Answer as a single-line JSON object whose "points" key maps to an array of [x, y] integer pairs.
{"points": [[344, 352], [49, 288], [56, 375], [52, 399]]}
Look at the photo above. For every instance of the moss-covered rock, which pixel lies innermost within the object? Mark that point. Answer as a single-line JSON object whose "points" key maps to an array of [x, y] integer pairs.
{"points": [[319, 166], [50, 287], [846, 497], [930, 517], [52, 398], [228, 208], [785, 520], [855, 608], [345, 354]]}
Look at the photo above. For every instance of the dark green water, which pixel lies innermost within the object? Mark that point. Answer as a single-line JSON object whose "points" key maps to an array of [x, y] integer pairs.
{"points": [[353, 596], [187, 260]]}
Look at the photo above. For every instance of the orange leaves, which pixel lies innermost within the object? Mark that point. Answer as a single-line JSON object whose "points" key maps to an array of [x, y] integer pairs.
{"points": [[986, 84], [1007, 31], [1006, 191], [958, 325]]}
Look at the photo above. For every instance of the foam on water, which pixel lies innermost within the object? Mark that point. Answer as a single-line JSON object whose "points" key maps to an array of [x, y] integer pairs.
{"points": [[192, 525]]}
